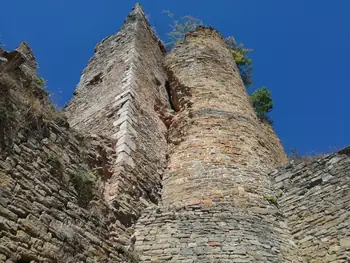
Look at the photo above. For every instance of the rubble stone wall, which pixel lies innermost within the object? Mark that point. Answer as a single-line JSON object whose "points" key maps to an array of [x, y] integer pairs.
{"points": [[214, 232], [316, 205], [51, 203]]}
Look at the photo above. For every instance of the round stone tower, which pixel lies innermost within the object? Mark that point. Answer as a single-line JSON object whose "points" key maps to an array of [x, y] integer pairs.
{"points": [[214, 206], [218, 147]]}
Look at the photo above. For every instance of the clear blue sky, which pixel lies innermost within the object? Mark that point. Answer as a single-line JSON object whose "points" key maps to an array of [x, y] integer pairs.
{"points": [[302, 52]]}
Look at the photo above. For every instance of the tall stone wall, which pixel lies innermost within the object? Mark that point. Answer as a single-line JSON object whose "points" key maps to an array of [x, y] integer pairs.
{"points": [[316, 205], [213, 207], [66, 201], [44, 215], [122, 95], [51, 200]]}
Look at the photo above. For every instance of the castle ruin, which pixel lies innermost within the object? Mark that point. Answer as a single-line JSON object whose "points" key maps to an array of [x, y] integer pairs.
{"points": [[185, 171]]}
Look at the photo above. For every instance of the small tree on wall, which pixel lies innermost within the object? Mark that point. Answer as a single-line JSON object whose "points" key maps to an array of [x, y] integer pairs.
{"points": [[262, 103]]}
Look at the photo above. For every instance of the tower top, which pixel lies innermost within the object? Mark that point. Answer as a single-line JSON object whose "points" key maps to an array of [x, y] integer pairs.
{"points": [[137, 9]]}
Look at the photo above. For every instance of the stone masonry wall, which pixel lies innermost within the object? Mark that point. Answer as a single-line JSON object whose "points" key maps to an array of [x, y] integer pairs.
{"points": [[213, 207], [214, 231], [44, 216], [316, 205], [122, 95], [217, 145], [51, 180]]}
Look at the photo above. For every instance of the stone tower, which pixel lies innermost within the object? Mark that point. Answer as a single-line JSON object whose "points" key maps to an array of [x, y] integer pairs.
{"points": [[163, 160], [218, 148], [219, 154], [118, 96], [213, 207]]}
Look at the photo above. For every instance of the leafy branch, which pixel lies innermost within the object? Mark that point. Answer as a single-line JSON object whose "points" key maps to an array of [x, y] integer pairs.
{"points": [[242, 59], [180, 27]]}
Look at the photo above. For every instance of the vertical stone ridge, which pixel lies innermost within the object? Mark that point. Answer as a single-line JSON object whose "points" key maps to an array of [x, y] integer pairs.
{"points": [[140, 133], [125, 103], [118, 96]]}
